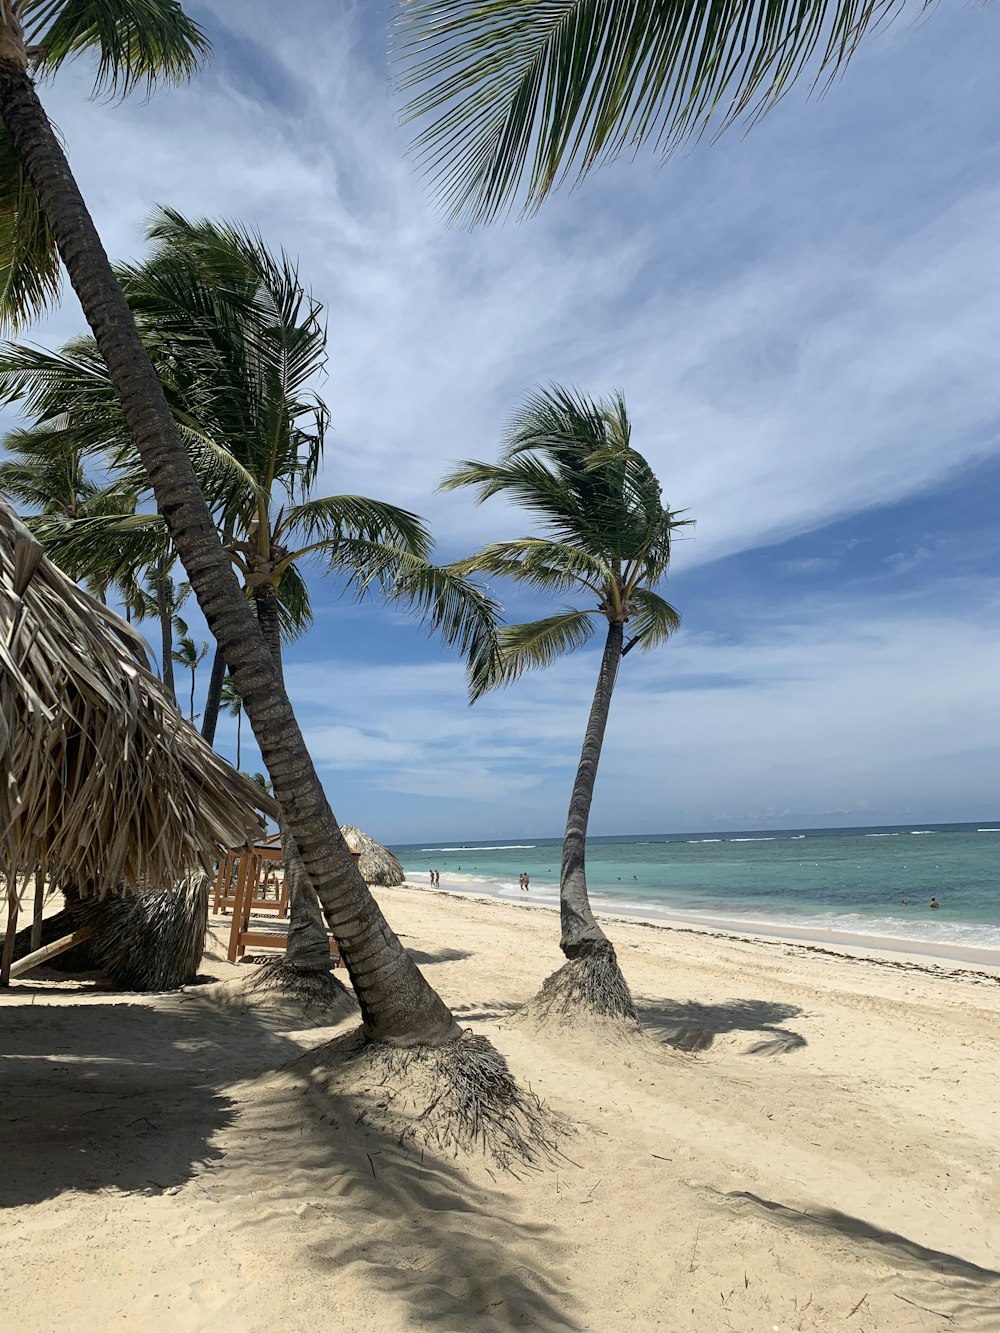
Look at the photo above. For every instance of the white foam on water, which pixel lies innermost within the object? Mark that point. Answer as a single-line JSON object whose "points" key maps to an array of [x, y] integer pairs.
{"points": [[503, 847]]}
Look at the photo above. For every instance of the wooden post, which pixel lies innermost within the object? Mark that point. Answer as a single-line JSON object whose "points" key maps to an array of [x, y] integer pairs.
{"points": [[8, 939], [36, 919]]}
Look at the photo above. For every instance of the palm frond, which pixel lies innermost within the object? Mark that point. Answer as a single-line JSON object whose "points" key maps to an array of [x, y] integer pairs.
{"points": [[108, 546], [323, 522], [136, 41], [556, 566], [535, 645], [655, 619], [514, 96], [30, 274]]}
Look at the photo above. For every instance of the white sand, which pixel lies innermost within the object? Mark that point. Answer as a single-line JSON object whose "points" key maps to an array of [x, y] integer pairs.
{"points": [[805, 1141]]}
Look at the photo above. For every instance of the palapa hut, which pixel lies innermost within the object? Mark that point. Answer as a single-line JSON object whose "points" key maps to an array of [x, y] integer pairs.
{"points": [[377, 864], [104, 788]]}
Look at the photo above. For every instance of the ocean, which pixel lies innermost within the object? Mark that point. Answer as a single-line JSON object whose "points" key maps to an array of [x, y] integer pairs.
{"points": [[852, 879]]}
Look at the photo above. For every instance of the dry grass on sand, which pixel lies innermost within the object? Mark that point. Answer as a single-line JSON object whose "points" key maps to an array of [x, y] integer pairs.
{"points": [[797, 1141]]}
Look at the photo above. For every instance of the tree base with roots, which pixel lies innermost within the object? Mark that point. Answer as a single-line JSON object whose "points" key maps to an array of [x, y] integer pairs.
{"points": [[460, 1097], [587, 987], [316, 990]]}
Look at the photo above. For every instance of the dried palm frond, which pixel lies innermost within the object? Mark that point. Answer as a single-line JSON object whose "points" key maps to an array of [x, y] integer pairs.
{"points": [[377, 865], [101, 778]]}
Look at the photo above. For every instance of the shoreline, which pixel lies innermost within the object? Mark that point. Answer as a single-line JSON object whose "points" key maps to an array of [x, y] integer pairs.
{"points": [[887, 948]]}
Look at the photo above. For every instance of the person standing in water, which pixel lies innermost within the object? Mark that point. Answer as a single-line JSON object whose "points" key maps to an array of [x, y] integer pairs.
{"points": [[524, 882]]}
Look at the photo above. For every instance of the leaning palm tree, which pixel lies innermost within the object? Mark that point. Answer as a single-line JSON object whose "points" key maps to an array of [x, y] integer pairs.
{"points": [[515, 96], [239, 343], [138, 42], [606, 535]]}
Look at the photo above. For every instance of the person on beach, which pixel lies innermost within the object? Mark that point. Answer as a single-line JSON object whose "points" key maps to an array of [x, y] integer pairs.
{"points": [[524, 882], [935, 903]]}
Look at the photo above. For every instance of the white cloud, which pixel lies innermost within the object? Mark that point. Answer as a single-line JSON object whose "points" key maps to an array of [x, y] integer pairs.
{"points": [[793, 377]]}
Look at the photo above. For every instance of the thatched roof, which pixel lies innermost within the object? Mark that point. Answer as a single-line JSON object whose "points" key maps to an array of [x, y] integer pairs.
{"points": [[100, 776], [377, 865]]}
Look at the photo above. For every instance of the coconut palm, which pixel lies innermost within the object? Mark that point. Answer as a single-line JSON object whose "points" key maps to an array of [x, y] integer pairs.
{"points": [[238, 343], [605, 534], [190, 655], [233, 705], [140, 42], [515, 96]]}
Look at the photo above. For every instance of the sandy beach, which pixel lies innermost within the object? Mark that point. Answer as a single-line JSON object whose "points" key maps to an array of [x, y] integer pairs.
{"points": [[805, 1139]]}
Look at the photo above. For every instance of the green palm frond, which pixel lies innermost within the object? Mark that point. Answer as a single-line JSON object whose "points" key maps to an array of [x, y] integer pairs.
{"points": [[136, 41], [188, 653], [230, 700], [109, 546], [30, 275], [655, 620], [295, 614], [536, 644], [557, 566], [322, 523], [514, 96]]}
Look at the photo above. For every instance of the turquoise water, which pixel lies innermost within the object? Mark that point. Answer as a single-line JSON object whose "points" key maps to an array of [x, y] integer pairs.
{"points": [[832, 879]]}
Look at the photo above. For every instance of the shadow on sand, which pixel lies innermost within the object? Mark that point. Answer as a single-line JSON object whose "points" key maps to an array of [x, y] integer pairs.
{"points": [[940, 1284], [145, 1098], [690, 1026]]}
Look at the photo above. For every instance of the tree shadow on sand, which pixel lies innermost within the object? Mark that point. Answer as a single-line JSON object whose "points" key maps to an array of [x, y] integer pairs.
{"points": [[690, 1026], [422, 957], [122, 1096], [939, 1283], [486, 1011], [183, 1094]]}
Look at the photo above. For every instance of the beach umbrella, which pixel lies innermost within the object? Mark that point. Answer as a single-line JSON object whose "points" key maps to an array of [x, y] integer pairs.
{"points": [[377, 865], [102, 782]]}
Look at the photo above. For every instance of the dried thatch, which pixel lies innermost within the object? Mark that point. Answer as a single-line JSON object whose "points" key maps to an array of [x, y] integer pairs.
{"points": [[377, 864], [101, 780]]}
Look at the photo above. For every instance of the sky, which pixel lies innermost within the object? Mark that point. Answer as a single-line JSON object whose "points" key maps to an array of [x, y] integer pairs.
{"points": [[804, 320]]}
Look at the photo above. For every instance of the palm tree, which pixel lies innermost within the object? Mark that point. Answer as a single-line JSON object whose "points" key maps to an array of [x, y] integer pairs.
{"points": [[238, 343], [190, 655], [233, 705], [140, 42], [607, 535], [515, 96]]}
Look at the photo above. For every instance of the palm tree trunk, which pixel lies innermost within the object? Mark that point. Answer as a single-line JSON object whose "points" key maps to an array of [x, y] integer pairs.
{"points": [[213, 699], [308, 949], [580, 932], [398, 1006], [193, 670], [166, 630], [239, 731]]}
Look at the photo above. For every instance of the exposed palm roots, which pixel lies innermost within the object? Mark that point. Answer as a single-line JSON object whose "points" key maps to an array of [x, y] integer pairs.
{"points": [[586, 987], [460, 1097], [313, 990]]}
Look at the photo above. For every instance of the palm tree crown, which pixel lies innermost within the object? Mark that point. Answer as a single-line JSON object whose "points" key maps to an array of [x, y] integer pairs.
{"points": [[514, 96], [138, 44], [569, 461]]}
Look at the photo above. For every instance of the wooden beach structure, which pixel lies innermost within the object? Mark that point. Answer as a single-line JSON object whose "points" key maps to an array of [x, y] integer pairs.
{"points": [[104, 788]]}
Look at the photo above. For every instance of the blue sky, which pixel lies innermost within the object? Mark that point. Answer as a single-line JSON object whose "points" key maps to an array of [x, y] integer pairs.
{"points": [[805, 321]]}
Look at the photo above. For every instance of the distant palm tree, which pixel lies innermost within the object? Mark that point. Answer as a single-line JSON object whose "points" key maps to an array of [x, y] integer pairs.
{"points": [[515, 96], [233, 705], [191, 655], [606, 535]]}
